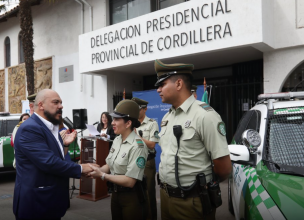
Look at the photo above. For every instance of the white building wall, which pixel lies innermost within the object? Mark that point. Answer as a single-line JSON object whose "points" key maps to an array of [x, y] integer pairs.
{"points": [[56, 30], [9, 29], [278, 65], [286, 31]]}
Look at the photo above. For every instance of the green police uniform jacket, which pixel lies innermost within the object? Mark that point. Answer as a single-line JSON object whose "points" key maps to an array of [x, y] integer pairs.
{"points": [[203, 132], [128, 157], [149, 127]]}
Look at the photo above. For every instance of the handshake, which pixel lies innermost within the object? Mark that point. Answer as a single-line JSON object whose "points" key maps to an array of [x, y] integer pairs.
{"points": [[91, 170], [87, 168]]}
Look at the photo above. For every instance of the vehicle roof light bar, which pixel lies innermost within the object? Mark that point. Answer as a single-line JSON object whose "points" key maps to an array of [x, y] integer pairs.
{"points": [[281, 95]]}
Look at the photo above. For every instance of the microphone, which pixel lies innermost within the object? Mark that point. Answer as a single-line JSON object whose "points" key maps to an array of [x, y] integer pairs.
{"points": [[68, 123], [177, 131], [140, 133], [96, 123]]}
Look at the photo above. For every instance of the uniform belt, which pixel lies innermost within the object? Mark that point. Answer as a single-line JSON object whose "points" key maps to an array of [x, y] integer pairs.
{"points": [[151, 156], [118, 188], [178, 193]]}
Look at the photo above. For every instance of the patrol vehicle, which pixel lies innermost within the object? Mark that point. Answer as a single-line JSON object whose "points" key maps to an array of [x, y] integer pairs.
{"points": [[267, 152], [7, 124]]}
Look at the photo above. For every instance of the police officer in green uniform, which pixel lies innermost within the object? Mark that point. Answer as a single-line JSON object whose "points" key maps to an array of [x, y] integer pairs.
{"points": [[148, 130], [203, 135], [193, 91], [125, 164], [31, 99]]}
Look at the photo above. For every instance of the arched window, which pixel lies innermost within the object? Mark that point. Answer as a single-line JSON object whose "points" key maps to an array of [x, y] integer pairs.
{"points": [[7, 43], [294, 80], [21, 53]]}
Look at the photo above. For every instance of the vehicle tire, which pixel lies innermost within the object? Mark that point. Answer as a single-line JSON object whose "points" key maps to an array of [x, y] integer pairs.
{"points": [[230, 205]]}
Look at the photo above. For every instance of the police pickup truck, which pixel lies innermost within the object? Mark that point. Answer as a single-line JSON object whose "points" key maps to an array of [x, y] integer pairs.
{"points": [[267, 152], [7, 124]]}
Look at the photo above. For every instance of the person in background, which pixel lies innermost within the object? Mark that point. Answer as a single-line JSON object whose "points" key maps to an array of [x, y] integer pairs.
{"points": [[193, 91], [148, 130], [105, 128], [22, 118], [31, 99], [125, 165], [63, 132]]}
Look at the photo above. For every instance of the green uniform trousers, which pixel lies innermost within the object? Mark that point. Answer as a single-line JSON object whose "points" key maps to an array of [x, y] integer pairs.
{"points": [[126, 205], [182, 209], [150, 171]]}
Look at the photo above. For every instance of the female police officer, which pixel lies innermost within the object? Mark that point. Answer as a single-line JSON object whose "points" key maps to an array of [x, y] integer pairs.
{"points": [[125, 164]]}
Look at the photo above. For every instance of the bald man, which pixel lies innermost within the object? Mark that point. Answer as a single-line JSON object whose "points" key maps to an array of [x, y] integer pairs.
{"points": [[42, 181]]}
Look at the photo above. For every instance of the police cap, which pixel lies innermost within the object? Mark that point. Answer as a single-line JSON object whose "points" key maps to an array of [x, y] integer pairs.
{"points": [[126, 108], [31, 98], [164, 71], [142, 103]]}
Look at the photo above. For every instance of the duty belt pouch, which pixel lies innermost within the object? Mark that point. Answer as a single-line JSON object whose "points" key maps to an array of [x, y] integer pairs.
{"points": [[157, 178], [215, 194], [203, 194]]}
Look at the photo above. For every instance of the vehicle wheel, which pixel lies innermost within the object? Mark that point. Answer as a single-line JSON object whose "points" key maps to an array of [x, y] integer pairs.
{"points": [[230, 205]]}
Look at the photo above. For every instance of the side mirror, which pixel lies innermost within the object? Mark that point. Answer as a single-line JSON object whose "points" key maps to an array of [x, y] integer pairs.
{"points": [[252, 140], [239, 153]]}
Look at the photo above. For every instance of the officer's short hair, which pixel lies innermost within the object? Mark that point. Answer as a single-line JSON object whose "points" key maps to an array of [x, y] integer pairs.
{"points": [[186, 78]]}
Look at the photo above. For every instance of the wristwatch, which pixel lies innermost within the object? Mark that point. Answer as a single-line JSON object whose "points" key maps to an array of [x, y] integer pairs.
{"points": [[103, 176]]}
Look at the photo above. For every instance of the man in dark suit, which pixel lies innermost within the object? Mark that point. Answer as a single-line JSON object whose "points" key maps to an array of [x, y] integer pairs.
{"points": [[42, 181]]}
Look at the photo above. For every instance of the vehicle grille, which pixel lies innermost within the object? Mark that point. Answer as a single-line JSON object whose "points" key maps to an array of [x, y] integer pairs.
{"points": [[285, 138]]}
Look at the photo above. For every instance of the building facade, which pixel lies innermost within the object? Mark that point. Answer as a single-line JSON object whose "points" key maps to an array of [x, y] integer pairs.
{"points": [[242, 48]]}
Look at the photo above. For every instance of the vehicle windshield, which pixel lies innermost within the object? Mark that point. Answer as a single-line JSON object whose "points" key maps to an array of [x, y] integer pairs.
{"points": [[285, 138], [7, 126]]}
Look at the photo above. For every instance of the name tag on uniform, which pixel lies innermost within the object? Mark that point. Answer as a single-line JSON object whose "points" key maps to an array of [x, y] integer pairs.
{"points": [[163, 123]]}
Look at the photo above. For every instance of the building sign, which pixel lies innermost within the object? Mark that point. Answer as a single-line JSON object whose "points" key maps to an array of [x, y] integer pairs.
{"points": [[192, 27], [66, 74]]}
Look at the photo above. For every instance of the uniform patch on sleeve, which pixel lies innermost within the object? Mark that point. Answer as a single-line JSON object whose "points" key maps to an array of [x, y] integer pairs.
{"points": [[163, 123], [207, 107], [156, 134], [140, 143], [141, 162], [221, 128]]}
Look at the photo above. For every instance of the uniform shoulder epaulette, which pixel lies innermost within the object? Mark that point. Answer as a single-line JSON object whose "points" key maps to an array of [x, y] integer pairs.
{"points": [[140, 142], [206, 107], [151, 119]]}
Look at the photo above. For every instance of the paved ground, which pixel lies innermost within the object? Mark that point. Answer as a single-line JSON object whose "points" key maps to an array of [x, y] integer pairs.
{"points": [[83, 209]]}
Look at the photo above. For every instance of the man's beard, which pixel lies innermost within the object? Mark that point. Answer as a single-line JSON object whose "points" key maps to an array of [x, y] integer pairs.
{"points": [[51, 117]]}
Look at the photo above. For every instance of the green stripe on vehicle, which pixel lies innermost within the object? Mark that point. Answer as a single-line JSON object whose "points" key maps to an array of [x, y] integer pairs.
{"points": [[287, 110], [259, 202], [8, 153]]}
